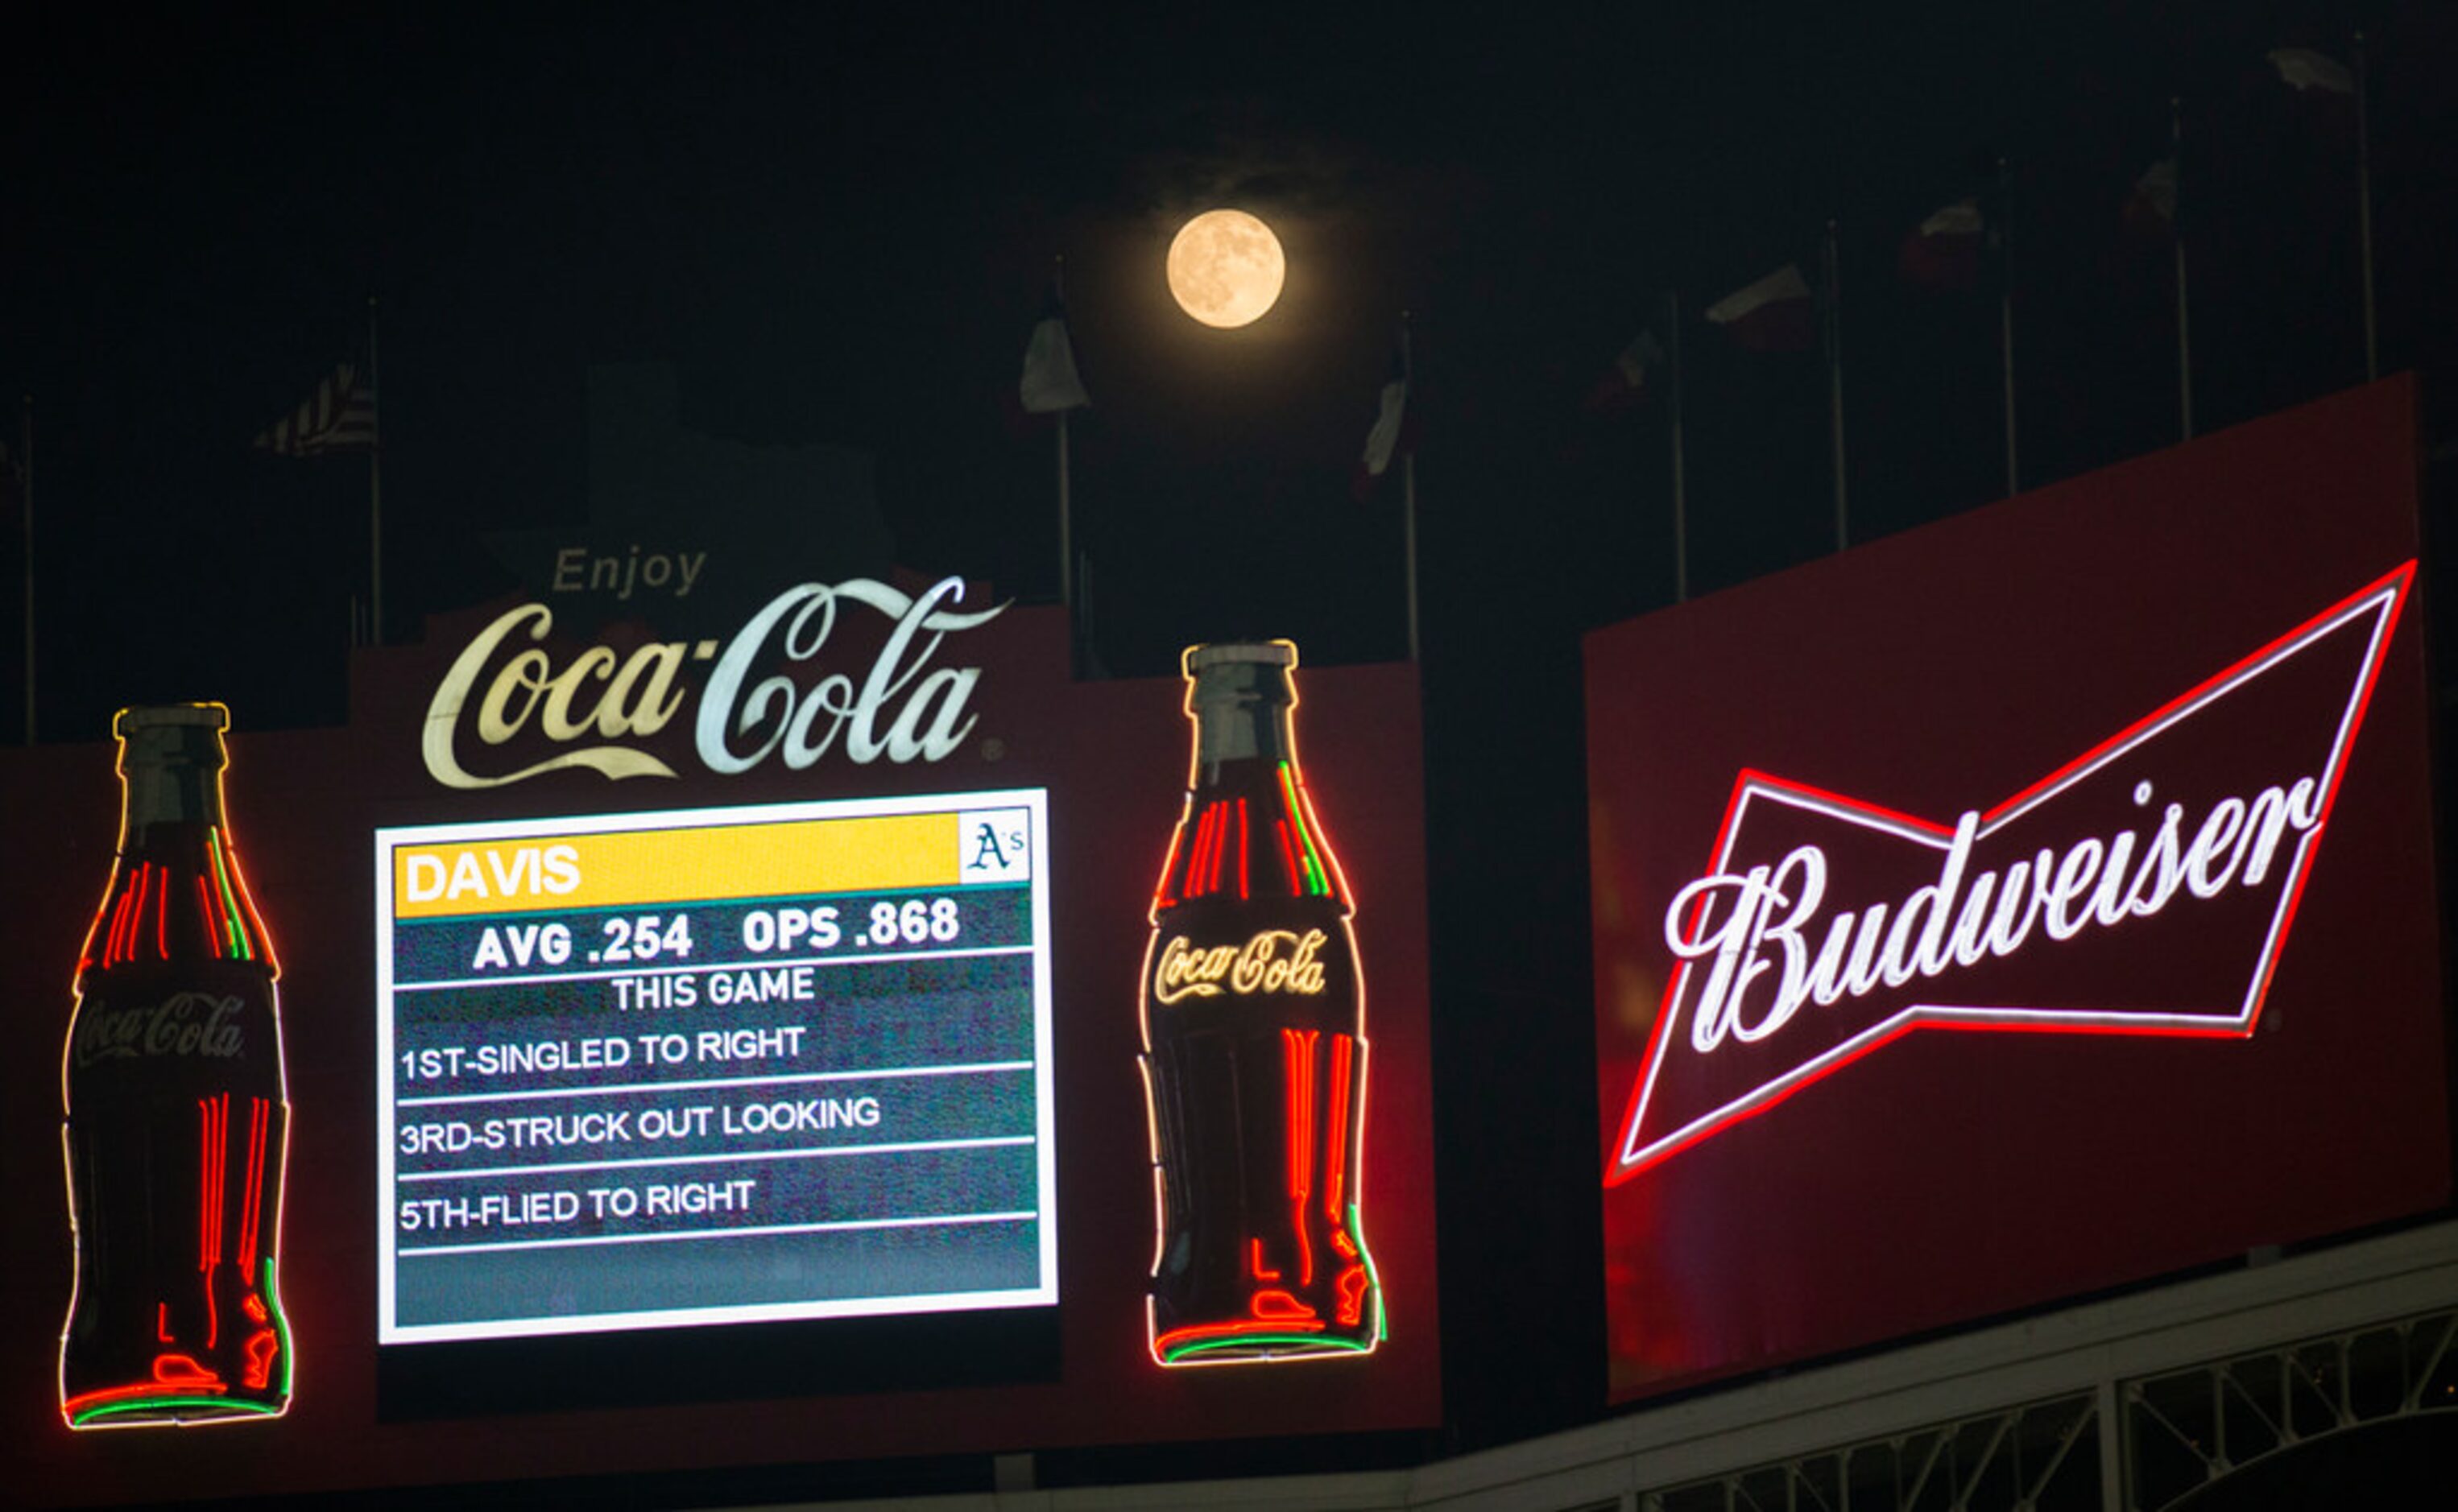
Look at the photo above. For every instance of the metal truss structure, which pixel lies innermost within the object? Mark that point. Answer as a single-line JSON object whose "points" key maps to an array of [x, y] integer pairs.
{"points": [[2147, 1402], [2043, 1457], [2178, 1433], [2192, 1428]]}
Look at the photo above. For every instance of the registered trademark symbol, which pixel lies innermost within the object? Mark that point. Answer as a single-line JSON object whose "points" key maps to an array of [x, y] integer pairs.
{"points": [[993, 749]]}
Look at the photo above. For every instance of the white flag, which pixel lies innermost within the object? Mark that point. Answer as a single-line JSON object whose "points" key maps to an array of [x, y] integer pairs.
{"points": [[1050, 383], [2308, 70], [1384, 438], [1783, 285], [2156, 188], [1773, 315]]}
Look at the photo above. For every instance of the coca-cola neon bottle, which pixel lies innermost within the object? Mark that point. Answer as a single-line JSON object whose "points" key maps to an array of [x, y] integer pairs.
{"points": [[1254, 1032], [176, 1117]]}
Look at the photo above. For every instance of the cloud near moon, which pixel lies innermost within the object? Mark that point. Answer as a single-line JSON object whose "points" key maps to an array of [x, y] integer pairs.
{"points": [[1226, 268]]}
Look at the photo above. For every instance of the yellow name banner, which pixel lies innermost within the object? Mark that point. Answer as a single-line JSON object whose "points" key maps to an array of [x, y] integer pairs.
{"points": [[627, 867]]}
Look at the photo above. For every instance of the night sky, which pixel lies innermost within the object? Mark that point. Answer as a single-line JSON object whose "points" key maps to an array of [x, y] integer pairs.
{"points": [[838, 230]]}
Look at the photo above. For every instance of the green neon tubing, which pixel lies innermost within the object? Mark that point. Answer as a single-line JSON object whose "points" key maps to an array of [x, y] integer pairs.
{"points": [[247, 947], [221, 1404], [1357, 1232], [281, 1321], [1313, 1343]]}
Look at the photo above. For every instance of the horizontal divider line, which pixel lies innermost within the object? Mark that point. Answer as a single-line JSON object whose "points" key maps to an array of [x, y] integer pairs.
{"points": [[959, 890], [984, 1142], [973, 1068], [845, 1226], [757, 964]]}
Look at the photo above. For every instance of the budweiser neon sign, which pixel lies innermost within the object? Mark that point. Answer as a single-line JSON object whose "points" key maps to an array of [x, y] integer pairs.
{"points": [[2146, 887]]}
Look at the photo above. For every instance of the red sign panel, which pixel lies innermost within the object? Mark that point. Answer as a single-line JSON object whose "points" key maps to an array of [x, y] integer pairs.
{"points": [[514, 785], [2130, 771]]}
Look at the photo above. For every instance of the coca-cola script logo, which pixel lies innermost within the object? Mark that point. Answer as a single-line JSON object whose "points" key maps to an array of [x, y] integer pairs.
{"points": [[2145, 888], [182, 1023], [900, 708], [1270, 961]]}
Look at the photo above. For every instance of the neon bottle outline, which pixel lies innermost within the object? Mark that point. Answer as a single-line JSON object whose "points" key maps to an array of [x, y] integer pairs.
{"points": [[176, 898], [1251, 969]]}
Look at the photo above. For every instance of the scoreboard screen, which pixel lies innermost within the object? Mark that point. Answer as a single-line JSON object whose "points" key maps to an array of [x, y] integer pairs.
{"points": [[648, 1070]]}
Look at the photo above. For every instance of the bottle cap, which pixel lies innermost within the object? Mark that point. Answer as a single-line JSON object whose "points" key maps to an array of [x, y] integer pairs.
{"points": [[154, 717], [1234, 653]]}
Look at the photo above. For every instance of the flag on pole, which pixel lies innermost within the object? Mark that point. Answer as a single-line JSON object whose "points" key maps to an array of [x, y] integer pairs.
{"points": [[2152, 210], [1632, 379], [2304, 70], [1392, 433], [339, 416], [1944, 251], [2323, 96], [1773, 315], [1050, 383]]}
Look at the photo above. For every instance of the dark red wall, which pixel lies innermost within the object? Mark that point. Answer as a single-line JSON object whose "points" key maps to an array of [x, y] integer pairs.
{"points": [[302, 808], [1949, 1175]]}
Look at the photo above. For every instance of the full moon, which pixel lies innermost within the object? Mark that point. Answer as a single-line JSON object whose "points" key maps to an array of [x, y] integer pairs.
{"points": [[1225, 268]]}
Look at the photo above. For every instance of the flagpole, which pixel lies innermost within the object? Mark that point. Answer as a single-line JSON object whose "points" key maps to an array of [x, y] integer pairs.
{"points": [[1083, 659], [1835, 382], [1065, 545], [1057, 291], [25, 508], [2006, 311], [1409, 479], [2364, 208], [1680, 495], [2177, 238], [375, 487]]}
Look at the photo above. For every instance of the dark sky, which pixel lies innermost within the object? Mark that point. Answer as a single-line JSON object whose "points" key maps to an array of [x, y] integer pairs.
{"points": [[838, 228]]}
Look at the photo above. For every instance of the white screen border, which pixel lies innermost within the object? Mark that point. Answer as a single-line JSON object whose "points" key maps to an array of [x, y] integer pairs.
{"points": [[390, 1331]]}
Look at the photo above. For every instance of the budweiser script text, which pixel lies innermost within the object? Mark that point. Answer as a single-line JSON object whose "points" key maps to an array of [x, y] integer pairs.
{"points": [[1771, 914], [182, 1023], [900, 708]]}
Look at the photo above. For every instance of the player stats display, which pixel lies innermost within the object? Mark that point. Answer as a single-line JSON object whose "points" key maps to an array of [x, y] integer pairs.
{"points": [[718, 1065]]}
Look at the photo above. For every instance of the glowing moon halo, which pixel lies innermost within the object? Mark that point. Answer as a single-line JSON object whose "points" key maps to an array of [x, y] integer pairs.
{"points": [[1225, 268]]}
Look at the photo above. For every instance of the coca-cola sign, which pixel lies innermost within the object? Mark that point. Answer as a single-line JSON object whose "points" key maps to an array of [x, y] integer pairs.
{"points": [[605, 708], [1824, 927], [1270, 961], [195, 1024]]}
